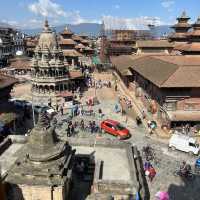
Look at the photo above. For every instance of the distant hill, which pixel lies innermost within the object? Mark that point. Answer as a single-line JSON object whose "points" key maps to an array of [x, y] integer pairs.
{"points": [[93, 29], [83, 28], [159, 31], [5, 25]]}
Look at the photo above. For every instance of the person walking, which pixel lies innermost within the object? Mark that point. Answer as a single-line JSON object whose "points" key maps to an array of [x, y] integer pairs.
{"points": [[100, 113], [126, 119], [61, 110], [152, 173], [68, 130], [82, 125], [116, 88], [57, 107], [72, 130]]}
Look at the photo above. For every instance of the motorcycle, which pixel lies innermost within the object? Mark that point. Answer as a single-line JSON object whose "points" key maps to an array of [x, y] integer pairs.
{"points": [[148, 153], [189, 175], [197, 166]]}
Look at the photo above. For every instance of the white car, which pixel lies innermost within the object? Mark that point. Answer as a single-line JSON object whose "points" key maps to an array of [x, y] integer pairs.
{"points": [[184, 143]]}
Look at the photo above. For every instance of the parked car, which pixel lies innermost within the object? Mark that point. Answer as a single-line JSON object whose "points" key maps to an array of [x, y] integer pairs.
{"points": [[184, 143], [48, 110], [115, 128], [20, 103]]}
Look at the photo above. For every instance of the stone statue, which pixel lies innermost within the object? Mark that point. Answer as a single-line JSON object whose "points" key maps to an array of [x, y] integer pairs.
{"points": [[43, 120]]}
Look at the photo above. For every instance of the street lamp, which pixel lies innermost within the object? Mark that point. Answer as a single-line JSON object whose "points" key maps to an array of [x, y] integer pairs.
{"points": [[33, 113]]}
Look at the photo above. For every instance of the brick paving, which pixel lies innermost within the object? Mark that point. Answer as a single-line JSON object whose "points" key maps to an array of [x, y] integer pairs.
{"points": [[169, 161], [179, 189]]}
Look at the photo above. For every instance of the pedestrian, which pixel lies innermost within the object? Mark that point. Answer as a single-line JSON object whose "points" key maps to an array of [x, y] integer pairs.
{"points": [[150, 131], [49, 103], [90, 127], [82, 125], [152, 173], [116, 88], [143, 114], [57, 107], [100, 113], [126, 119], [147, 166], [68, 130], [61, 110], [138, 120], [149, 124], [72, 130]]}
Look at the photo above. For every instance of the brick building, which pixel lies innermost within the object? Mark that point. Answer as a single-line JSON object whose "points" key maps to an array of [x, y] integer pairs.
{"points": [[153, 47], [167, 85]]}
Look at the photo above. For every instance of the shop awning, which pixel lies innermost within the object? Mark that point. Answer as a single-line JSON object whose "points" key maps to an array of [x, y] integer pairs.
{"points": [[7, 118], [184, 116]]}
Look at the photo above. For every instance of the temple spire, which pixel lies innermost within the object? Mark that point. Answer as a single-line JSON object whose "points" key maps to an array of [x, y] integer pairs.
{"points": [[46, 25]]}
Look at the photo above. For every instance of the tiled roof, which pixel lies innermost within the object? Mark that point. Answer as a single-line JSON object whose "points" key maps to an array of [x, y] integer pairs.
{"points": [[153, 43], [66, 32], [67, 41], [80, 46], [6, 81], [65, 94], [85, 41], [124, 62], [182, 25], [75, 74], [190, 47], [20, 63], [164, 71], [181, 115], [178, 35], [77, 38], [71, 53]]}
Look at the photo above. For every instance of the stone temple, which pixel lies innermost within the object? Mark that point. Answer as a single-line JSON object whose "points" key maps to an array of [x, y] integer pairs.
{"points": [[43, 168], [50, 76]]}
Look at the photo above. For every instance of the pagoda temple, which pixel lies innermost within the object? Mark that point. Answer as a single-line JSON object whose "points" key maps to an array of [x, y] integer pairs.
{"points": [[192, 47], [43, 167], [67, 44], [180, 29], [50, 76]]}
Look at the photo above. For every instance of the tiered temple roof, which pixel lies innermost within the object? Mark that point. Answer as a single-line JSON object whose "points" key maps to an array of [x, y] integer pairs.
{"points": [[68, 44], [181, 29], [192, 47]]}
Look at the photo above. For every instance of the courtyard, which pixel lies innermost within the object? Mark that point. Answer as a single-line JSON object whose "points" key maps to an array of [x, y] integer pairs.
{"points": [[168, 161]]}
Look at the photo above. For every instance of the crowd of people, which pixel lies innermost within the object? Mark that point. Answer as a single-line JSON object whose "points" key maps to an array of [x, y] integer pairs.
{"points": [[76, 126], [98, 84]]}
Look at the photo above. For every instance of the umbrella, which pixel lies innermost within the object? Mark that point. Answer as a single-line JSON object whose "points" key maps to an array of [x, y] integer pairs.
{"points": [[162, 195]]}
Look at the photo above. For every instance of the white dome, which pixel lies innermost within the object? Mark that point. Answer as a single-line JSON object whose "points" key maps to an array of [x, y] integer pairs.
{"points": [[19, 53]]}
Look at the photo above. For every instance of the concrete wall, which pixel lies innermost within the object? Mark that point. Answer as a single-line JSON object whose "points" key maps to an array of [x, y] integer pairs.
{"points": [[27, 192], [5, 145]]}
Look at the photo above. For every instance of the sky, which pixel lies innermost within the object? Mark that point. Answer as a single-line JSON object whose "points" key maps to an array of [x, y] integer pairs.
{"points": [[123, 14]]}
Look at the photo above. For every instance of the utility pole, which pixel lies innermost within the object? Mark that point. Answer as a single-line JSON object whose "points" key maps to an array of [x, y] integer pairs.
{"points": [[33, 113]]}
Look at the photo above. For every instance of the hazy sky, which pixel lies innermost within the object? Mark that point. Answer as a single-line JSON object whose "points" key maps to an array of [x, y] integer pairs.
{"points": [[116, 13]]}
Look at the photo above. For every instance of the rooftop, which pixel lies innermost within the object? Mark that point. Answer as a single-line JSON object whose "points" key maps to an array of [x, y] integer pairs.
{"points": [[6, 81], [20, 63], [71, 53], [115, 161], [153, 44], [66, 41], [8, 158], [163, 71]]}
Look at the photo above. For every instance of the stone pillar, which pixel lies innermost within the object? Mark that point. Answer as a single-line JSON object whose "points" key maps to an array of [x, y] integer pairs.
{"points": [[72, 62]]}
